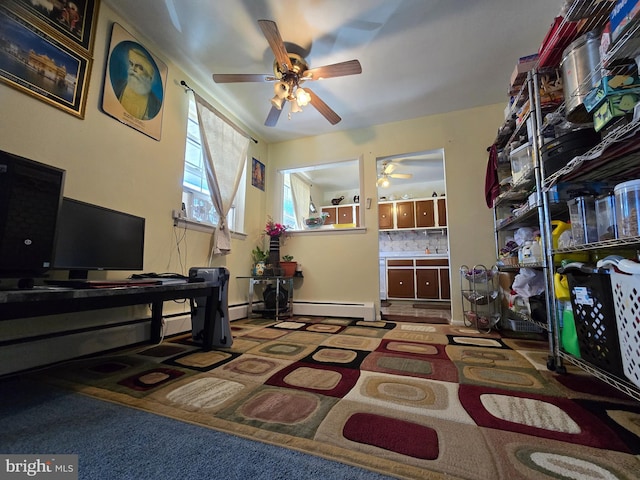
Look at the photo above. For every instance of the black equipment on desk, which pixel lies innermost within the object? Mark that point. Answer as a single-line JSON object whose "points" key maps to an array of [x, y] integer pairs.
{"points": [[30, 197], [219, 330]]}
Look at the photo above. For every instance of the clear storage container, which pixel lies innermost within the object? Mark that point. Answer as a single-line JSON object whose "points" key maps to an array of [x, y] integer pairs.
{"points": [[628, 208], [606, 217], [582, 214], [521, 162]]}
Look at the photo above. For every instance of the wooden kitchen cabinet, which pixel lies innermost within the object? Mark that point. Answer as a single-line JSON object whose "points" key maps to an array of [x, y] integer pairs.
{"points": [[445, 286], [400, 283], [432, 278], [345, 214], [405, 214], [425, 214], [385, 216], [332, 215], [442, 212], [428, 283]]}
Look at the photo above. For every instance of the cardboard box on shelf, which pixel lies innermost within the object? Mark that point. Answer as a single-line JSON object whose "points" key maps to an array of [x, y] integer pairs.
{"points": [[521, 69], [505, 280]]}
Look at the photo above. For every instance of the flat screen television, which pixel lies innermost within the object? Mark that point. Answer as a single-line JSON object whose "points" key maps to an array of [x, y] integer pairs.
{"points": [[30, 198], [90, 237]]}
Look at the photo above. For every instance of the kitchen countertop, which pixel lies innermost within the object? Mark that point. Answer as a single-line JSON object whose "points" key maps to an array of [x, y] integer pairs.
{"points": [[413, 254]]}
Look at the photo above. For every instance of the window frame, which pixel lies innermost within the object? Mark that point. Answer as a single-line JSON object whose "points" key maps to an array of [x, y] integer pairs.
{"points": [[325, 229]]}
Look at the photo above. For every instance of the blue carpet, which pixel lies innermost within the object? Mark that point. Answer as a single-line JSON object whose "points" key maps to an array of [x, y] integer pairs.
{"points": [[117, 442]]}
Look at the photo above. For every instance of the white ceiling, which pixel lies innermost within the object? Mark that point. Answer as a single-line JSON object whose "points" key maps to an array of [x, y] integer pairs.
{"points": [[418, 57]]}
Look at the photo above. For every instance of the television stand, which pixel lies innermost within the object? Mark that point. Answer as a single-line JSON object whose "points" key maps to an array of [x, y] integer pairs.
{"points": [[41, 302]]}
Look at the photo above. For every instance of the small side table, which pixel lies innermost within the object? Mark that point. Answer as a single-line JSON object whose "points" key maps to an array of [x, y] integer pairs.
{"points": [[278, 281]]}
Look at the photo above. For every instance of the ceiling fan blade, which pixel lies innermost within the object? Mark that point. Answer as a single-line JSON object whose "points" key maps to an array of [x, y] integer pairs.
{"points": [[401, 175], [241, 77], [272, 117], [388, 168], [351, 67], [272, 34], [323, 108]]}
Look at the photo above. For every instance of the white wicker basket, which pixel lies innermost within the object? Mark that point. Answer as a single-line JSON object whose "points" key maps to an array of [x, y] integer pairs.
{"points": [[626, 299]]}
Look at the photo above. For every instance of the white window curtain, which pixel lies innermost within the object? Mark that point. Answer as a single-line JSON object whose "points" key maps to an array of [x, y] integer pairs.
{"points": [[301, 194], [224, 151]]}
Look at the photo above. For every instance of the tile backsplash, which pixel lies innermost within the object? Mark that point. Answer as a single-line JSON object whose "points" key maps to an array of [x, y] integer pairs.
{"points": [[414, 241]]}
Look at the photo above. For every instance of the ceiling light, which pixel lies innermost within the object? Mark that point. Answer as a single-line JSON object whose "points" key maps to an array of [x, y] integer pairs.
{"points": [[302, 97], [281, 89], [385, 182], [295, 108], [277, 102]]}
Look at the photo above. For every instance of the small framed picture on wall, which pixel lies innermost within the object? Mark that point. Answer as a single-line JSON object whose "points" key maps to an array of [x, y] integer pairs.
{"points": [[257, 174]]}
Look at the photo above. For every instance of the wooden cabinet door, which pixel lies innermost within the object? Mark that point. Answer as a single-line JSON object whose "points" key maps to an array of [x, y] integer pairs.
{"points": [[332, 215], [385, 216], [442, 212], [445, 288], [428, 283], [405, 214], [345, 214], [400, 283], [425, 214]]}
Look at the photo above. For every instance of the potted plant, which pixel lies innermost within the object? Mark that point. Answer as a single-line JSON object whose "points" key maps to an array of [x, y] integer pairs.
{"points": [[288, 265], [260, 258]]}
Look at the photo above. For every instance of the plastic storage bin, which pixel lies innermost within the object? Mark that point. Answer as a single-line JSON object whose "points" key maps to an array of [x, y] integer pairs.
{"points": [[606, 217], [521, 162], [594, 317], [582, 213], [628, 208]]}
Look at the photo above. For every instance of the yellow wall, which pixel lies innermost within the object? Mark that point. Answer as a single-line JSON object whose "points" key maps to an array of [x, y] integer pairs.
{"points": [[111, 164], [344, 267]]}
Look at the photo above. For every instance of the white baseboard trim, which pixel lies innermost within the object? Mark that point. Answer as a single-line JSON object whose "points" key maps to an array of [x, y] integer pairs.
{"points": [[366, 311]]}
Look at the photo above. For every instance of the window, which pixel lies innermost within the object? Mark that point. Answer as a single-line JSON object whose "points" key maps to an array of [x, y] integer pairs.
{"points": [[288, 213], [324, 182], [195, 190]]}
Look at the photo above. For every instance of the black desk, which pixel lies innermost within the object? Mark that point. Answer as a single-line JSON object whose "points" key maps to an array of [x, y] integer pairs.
{"points": [[41, 301]]}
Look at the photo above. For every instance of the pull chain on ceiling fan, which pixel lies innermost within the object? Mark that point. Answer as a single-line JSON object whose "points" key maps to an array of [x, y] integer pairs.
{"points": [[290, 71]]}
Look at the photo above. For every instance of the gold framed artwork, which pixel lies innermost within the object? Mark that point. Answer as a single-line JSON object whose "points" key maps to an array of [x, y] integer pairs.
{"points": [[134, 84], [75, 20], [40, 64]]}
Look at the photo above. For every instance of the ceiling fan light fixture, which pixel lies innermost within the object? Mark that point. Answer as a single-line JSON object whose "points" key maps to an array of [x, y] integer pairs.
{"points": [[302, 97], [277, 102], [295, 108], [281, 89]]}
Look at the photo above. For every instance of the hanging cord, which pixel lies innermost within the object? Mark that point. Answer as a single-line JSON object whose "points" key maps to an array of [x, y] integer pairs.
{"points": [[188, 88]]}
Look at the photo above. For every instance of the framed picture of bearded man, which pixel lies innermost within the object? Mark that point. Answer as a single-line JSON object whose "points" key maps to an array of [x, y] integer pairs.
{"points": [[134, 84]]}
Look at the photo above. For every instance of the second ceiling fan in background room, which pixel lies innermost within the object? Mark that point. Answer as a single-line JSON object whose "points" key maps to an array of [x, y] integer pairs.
{"points": [[290, 71], [386, 172]]}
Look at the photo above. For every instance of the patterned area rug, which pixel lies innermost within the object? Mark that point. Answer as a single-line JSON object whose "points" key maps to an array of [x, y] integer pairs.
{"points": [[408, 400]]}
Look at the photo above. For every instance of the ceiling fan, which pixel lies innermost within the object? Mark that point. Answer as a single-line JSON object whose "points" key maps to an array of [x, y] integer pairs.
{"points": [[387, 172], [290, 71]]}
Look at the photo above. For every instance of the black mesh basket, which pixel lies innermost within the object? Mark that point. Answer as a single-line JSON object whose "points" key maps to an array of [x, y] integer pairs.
{"points": [[595, 318]]}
